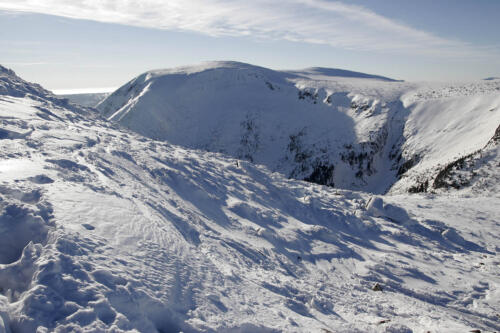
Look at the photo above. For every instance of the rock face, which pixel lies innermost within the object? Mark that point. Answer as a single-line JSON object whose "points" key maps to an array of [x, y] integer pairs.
{"points": [[338, 128]]}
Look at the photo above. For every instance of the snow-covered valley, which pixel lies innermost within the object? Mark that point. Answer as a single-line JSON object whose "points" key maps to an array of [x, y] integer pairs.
{"points": [[344, 129], [194, 222], [85, 99]]}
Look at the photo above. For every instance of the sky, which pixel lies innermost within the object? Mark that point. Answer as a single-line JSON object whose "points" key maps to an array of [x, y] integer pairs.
{"points": [[101, 44]]}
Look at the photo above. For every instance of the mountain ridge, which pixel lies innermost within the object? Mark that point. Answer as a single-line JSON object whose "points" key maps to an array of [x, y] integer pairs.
{"points": [[347, 132], [337, 72]]}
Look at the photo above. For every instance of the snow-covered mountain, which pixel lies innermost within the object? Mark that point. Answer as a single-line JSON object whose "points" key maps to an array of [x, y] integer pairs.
{"points": [[103, 229], [344, 129], [86, 99]]}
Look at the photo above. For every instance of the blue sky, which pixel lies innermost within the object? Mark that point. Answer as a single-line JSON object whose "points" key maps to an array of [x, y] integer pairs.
{"points": [[104, 43]]}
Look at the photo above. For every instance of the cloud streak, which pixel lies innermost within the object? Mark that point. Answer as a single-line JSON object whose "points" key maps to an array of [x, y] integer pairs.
{"points": [[311, 21]]}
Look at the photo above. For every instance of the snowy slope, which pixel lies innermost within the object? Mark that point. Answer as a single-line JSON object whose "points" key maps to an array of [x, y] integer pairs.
{"points": [[446, 125], [344, 129], [309, 124], [104, 229], [328, 73]]}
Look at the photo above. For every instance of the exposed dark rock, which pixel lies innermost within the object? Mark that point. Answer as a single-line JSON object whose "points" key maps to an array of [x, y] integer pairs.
{"points": [[269, 85], [360, 107], [308, 95]]}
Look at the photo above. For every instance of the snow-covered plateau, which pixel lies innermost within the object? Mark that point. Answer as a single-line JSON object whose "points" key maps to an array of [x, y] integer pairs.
{"points": [[226, 197]]}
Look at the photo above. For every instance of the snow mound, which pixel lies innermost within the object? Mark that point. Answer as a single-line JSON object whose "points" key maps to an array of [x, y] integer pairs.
{"points": [[19, 225]]}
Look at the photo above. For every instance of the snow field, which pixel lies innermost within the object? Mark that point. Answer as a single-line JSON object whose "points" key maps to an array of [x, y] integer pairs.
{"points": [[112, 231]]}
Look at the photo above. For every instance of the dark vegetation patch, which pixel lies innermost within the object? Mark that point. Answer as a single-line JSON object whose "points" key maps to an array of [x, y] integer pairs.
{"points": [[420, 187], [322, 174], [407, 165], [449, 177], [308, 95]]}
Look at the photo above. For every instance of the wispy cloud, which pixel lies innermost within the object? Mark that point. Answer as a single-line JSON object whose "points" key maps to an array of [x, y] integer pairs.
{"points": [[312, 21]]}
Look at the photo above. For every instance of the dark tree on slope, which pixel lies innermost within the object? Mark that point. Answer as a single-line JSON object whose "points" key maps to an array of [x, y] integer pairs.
{"points": [[250, 140]]}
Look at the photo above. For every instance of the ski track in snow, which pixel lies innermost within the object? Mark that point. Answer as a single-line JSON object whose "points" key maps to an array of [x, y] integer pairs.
{"points": [[105, 230]]}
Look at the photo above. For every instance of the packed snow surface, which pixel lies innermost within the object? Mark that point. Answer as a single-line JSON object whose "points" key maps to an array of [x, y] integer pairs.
{"points": [[102, 229]]}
